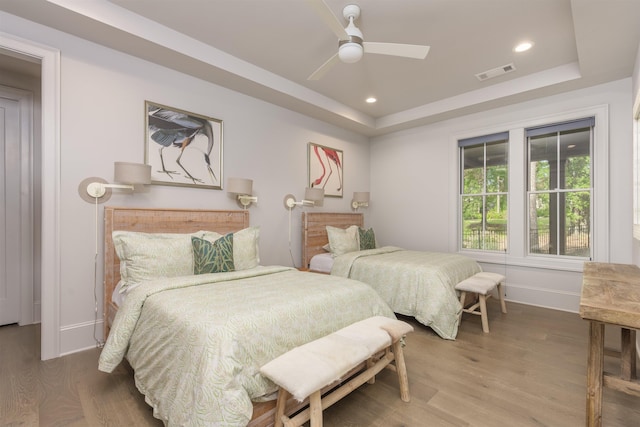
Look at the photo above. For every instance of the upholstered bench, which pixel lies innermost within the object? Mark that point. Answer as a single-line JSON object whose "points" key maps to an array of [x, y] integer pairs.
{"points": [[305, 371], [481, 284]]}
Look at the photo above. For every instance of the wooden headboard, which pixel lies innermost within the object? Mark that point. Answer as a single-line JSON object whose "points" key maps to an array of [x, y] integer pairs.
{"points": [[150, 220], [314, 232]]}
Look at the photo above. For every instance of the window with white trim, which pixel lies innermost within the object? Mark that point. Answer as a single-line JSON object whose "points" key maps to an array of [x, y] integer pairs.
{"points": [[484, 186], [559, 188]]}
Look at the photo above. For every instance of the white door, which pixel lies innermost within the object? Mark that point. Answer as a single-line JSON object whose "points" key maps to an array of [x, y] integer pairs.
{"points": [[9, 212]]}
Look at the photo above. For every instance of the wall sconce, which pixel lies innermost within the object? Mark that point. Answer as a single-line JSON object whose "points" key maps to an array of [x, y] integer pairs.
{"points": [[312, 197], [243, 189], [131, 176], [360, 199]]}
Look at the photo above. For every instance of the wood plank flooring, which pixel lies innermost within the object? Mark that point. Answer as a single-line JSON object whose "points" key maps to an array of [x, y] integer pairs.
{"points": [[528, 371]]}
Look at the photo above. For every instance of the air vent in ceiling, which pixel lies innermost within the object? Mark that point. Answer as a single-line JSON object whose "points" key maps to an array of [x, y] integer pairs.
{"points": [[495, 72]]}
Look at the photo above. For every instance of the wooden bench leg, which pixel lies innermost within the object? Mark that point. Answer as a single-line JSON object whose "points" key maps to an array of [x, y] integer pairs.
{"points": [[483, 313], [281, 403], [503, 305], [401, 368], [315, 408], [370, 363], [463, 296]]}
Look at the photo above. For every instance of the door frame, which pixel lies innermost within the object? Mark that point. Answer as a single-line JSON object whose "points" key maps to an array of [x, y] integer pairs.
{"points": [[49, 59]]}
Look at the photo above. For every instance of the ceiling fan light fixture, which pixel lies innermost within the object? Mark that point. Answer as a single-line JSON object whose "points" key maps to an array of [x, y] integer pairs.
{"points": [[350, 52]]}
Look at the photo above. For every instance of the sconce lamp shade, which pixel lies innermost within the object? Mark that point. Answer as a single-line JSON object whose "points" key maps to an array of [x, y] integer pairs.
{"points": [[360, 199], [316, 195], [361, 196], [240, 186], [131, 173]]}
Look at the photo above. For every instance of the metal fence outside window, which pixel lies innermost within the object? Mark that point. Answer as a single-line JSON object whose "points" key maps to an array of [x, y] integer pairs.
{"points": [[577, 241]]}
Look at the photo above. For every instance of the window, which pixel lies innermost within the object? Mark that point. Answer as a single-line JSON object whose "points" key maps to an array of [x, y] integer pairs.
{"points": [[483, 192], [559, 188], [554, 210]]}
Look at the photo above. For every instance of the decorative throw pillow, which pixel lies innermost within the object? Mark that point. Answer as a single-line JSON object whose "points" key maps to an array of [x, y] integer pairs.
{"points": [[367, 239], [342, 240], [149, 256], [246, 249], [212, 257], [207, 235]]}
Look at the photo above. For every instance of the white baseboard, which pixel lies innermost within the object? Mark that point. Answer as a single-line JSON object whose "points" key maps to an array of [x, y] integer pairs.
{"points": [[79, 337], [540, 297]]}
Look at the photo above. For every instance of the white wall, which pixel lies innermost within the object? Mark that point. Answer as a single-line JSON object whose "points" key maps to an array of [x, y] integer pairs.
{"points": [[102, 121], [636, 95], [414, 176], [636, 111]]}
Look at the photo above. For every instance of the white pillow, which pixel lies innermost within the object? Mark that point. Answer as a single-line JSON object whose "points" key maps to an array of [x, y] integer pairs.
{"points": [[245, 248], [148, 256], [342, 241]]}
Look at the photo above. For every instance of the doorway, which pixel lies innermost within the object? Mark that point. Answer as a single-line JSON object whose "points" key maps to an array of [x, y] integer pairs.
{"points": [[16, 206], [46, 200]]}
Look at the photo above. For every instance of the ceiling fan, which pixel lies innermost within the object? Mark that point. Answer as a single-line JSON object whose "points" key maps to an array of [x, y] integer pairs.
{"points": [[351, 44]]}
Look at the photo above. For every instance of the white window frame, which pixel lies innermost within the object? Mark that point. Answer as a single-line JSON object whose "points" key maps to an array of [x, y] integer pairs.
{"points": [[564, 190], [517, 249], [481, 140]]}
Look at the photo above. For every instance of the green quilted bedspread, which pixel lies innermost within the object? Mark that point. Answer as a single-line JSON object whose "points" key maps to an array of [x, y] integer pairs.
{"points": [[196, 343], [413, 283]]}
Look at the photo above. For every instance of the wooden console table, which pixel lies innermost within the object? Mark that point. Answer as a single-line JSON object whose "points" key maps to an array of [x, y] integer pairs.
{"points": [[610, 294]]}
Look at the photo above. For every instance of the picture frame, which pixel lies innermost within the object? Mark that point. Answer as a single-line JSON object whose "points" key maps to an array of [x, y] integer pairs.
{"points": [[326, 169], [183, 148]]}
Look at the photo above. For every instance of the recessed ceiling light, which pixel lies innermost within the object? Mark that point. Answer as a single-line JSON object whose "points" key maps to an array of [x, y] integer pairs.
{"points": [[522, 47], [371, 100]]}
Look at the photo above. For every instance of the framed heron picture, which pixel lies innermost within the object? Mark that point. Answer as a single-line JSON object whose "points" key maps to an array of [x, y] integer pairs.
{"points": [[325, 169], [183, 148]]}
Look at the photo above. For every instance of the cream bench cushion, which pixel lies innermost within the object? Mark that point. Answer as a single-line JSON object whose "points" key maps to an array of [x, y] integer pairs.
{"points": [[307, 368]]}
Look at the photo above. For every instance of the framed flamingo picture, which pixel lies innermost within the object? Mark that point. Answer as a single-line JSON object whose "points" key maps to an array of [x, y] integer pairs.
{"points": [[183, 148], [325, 169]]}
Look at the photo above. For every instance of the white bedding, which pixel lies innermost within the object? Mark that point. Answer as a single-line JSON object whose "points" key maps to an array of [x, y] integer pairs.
{"points": [[118, 296], [414, 283], [120, 293], [322, 263]]}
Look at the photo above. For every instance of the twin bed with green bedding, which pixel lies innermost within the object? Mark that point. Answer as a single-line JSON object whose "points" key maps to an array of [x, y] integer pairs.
{"points": [[414, 283], [196, 342]]}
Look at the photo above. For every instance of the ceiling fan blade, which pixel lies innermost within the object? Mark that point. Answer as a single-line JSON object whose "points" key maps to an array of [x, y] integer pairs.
{"points": [[322, 70], [414, 51], [329, 18]]}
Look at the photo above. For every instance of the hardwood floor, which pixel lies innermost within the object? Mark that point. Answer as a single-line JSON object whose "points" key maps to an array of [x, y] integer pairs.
{"points": [[528, 371]]}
